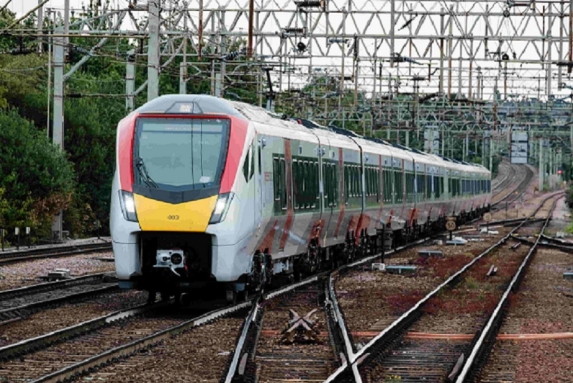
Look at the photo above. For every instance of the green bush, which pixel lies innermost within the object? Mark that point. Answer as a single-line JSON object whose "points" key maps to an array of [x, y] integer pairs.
{"points": [[36, 179]]}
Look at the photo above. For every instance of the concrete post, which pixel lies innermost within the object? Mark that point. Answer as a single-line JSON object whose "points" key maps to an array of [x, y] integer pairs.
{"points": [[183, 78], [218, 82], [130, 81], [58, 115], [40, 25], [66, 24], [153, 55]]}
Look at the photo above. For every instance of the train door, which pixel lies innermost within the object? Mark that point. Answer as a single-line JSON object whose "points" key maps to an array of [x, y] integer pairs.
{"points": [[247, 195], [328, 186], [259, 200]]}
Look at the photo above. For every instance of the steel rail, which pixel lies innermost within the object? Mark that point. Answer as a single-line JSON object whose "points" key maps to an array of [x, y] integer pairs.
{"points": [[490, 329], [522, 187], [241, 343], [349, 349], [237, 356], [408, 316], [18, 313], [42, 287], [556, 241], [342, 328], [232, 371], [124, 350], [501, 185], [551, 245], [61, 251], [28, 345], [132, 347]]}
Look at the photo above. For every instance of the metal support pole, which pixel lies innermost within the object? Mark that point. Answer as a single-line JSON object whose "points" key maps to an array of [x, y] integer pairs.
{"points": [[392, 29], [491, 144], [551, 155], [183, 78], [58, 117], [471, 71], [66, 24], [541, 168], [200, 26], [218, 84], [183, 67], [459, 95], [153, 54], [251, 22], [223, 66], [49, 85], [561, 55], [442, 29], [130, 81], [570, 36], [549, 55], [443, 141], [450, 51], [571, 137], [58, 112], [40, 25]]}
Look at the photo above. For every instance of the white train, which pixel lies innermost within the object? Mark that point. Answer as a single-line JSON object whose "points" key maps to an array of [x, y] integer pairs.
{"points": [[209, 190]]}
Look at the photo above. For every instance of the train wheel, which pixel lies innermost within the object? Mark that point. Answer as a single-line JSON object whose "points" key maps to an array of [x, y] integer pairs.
{"points": [[178, 299], [231, 296], [165, 296], [151, 295]]}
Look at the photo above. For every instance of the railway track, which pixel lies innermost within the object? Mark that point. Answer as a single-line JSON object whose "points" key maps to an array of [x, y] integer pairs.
{"points": [[257, 361], [266, 356], [515, 193], [103, 341], [390, 355], [534, 339], [60, 251], [19, 303], [506, 180], [62, 354]]}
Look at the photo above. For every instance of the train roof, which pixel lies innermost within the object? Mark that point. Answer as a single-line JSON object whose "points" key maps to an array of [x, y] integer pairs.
{"points": [[274, 124], [188, 104]]}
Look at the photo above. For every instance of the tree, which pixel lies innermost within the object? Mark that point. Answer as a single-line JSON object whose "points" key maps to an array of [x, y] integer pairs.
{"points": [[36, 178]]}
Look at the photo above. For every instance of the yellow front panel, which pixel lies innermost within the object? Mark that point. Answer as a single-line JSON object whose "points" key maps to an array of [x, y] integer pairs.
{"points": [[162, 216]]}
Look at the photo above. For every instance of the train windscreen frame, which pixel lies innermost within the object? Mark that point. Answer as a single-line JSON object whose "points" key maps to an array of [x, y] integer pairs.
{"points": [[179, 159]]}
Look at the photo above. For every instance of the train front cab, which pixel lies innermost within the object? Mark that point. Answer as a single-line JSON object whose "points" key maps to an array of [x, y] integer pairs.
{"points": [[172, 192]]}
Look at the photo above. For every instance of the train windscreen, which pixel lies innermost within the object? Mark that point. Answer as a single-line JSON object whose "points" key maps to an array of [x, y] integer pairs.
{"points": [[176, 154]]}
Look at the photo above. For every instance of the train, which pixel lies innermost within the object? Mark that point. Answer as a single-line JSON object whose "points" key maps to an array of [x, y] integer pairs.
{"points": [[210, 191]]}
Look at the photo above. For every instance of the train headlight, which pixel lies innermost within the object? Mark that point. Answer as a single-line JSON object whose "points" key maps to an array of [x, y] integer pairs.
{"points": [[221, 208], [127, 203]]}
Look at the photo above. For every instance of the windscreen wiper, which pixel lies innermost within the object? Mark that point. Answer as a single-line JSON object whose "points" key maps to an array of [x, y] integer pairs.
{"points": [[143, 174]]}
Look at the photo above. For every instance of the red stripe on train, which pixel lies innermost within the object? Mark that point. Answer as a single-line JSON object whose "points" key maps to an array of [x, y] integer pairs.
{"points": [[239, 128], [126, 130]]}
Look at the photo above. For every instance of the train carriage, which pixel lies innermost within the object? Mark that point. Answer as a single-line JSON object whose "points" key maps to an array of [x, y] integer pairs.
{"points": [[212, 191]]}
